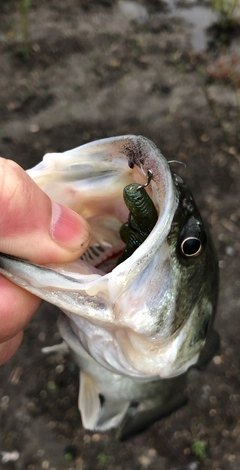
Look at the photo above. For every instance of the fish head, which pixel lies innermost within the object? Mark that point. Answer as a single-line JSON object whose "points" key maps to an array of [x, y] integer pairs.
{"points": [[149, 315]]}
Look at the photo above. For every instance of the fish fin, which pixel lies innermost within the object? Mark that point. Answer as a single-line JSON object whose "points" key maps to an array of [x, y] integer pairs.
{"points": [[98, 413], [56, 348], [140, 421], [112, 414], [210, 349], [88, 402]]}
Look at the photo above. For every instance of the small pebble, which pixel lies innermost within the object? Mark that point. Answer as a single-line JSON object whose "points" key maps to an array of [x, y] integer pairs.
{"points": [[96, 437], [34, 128], [45, 464], [217, 360], [133, 11], [144, 460]]}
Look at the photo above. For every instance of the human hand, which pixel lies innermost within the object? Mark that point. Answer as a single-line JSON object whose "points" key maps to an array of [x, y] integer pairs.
{"points": [[39, 230]]}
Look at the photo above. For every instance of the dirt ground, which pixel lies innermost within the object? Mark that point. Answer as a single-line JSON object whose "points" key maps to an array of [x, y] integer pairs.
{"points": [[99, 69]]}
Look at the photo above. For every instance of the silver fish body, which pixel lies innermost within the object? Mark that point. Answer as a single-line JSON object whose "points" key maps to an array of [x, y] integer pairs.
{"points": [[134, 328]]}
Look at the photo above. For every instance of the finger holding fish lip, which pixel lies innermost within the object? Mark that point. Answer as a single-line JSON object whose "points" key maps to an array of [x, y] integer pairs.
{"points": [[32, 226]]}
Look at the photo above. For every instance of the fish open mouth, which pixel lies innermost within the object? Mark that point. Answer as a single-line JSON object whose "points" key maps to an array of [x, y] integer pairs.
{"points": [[91, 179]]}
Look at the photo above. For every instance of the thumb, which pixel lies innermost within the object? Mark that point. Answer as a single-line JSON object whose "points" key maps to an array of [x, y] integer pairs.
{"points": [[32, 226]]}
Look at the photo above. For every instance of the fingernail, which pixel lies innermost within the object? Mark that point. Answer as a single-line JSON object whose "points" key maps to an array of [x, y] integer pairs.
{"points": [[68, 228]]}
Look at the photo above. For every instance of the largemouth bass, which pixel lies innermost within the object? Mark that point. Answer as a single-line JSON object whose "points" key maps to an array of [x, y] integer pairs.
{"points": [[135, 321]]}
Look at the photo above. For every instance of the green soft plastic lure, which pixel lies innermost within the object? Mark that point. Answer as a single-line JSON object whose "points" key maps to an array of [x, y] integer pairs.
{"points": [[142, 218]]}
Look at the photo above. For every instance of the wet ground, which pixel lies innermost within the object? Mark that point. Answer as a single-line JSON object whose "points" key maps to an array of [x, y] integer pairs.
{"points": [[99, 69]]}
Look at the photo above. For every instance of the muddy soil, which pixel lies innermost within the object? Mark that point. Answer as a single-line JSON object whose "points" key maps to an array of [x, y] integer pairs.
{"points": [[99, 69]]}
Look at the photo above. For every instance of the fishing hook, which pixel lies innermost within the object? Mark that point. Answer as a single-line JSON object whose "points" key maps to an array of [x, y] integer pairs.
{"points": [[150, 175], [177, 161]]}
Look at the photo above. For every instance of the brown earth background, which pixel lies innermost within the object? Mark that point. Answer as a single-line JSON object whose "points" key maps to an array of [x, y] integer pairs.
{"points": [[168, 71]]}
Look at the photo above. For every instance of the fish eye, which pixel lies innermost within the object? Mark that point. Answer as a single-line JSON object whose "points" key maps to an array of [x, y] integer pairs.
{"points": [[191, 246]]}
